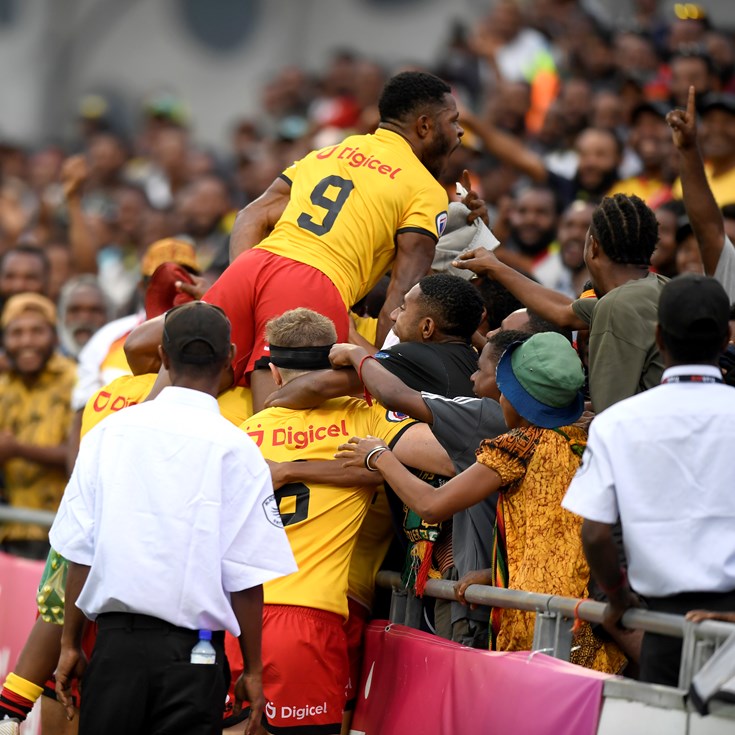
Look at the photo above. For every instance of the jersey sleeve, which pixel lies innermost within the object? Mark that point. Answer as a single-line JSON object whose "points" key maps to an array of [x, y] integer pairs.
{"points": [[382, 423], [426, 214], [289, 172]]}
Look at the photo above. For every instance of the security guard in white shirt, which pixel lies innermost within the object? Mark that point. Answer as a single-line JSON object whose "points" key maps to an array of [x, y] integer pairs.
{"points": [[661, 462], [170, 527]]}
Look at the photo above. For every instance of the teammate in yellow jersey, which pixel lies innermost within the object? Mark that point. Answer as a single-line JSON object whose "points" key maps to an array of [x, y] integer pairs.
{"points": [[305, 668], [342, 217]]}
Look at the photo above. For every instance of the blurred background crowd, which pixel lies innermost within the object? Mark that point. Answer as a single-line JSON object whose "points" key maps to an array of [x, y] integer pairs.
{"points": [[563, 102]]}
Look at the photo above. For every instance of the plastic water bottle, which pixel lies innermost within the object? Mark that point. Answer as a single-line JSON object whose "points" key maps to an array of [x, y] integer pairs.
{"points": [[203, 652]]}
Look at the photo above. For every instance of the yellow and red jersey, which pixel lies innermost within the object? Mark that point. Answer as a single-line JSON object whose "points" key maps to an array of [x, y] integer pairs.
{"points": [[349, 201], [321, 521]]}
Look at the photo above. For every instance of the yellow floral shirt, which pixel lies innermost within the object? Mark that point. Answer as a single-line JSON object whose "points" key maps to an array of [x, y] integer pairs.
{"points": [[40, 415], [542, 539]]}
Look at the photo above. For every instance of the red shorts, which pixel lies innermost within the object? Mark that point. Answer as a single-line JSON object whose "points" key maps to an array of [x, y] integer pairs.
{"points": [[355, 631], [258, 286], [305, 668]]}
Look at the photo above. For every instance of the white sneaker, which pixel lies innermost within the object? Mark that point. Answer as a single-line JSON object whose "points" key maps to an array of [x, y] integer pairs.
{"points": [[9, 726]]}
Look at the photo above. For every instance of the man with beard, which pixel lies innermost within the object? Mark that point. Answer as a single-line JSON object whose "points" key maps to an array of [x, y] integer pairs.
{"points": [[532, 245], [573, 225], [83, 309], [204, 207], [599, 152], [341, 217], [35, 415]]}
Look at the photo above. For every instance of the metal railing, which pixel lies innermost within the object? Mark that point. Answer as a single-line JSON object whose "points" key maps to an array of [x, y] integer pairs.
{"points": [[11, 514], [555, 617]]}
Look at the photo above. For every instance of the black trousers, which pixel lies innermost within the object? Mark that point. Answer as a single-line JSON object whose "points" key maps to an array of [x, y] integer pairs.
{"points": [[661, 654], [140, 680]]}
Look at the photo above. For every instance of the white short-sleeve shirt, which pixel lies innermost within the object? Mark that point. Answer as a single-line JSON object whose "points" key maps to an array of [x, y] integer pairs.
{"points": [[172, 508], [662, 462]]}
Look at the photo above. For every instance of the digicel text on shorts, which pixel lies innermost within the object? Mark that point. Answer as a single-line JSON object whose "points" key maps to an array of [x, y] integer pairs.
{"points": [[300, 713]]}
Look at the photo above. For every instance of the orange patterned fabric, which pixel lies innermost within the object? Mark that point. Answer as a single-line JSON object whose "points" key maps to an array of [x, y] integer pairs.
{"points": [[543, 542]]}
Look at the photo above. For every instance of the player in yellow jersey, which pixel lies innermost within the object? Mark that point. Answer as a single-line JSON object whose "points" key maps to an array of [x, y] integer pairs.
{"points": [[305, 668], [342, 216]]}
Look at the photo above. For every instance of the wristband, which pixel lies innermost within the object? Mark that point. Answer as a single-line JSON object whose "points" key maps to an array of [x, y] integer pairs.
{"points": [[366, 393], [622, 582], [374, 452]]}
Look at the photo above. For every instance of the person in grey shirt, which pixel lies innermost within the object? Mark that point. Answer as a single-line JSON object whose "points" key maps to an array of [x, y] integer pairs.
{"points": [[460, 424]]}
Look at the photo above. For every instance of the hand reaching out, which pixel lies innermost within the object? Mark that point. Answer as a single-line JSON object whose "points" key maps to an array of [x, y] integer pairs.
{"points": [[356, 450]]}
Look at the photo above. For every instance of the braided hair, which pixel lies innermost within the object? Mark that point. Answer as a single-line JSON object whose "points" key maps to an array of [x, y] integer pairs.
{"points": [[626, 229]]}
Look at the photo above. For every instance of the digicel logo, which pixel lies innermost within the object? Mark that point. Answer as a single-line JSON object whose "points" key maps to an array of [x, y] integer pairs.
{"points": [[299, 439], [102, 402], [301, 713], [359, 160]]}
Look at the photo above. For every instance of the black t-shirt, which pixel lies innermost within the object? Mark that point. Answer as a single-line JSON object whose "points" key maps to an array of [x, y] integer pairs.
{"points": [[443, 368]]}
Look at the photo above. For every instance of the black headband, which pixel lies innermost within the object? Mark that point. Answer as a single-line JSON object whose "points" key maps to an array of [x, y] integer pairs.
{"points": [[301, 358]]}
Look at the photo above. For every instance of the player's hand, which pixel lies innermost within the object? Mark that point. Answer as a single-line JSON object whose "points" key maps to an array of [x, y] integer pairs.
{"points": [[196, 289], [478, 576], [278, 473], [356, 450], [74, 174], [342, 353], [71, 666], [477, 206], [479, 261], [249, 688], [683, 124]]}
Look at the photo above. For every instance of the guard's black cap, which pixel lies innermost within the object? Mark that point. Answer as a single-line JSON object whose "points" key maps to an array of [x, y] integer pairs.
{"points": [[196, 333], [694, 308]]}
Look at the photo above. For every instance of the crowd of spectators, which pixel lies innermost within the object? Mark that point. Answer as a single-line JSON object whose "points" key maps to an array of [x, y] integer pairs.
{"points": [[561, 108]]}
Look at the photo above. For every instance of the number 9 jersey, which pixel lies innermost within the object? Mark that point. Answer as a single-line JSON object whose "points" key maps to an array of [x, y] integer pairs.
{"points": [[348, 203]]}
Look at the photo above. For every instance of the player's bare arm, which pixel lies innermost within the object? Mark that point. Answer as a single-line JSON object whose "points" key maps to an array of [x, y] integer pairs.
{"points": [[259, 217], [414, 255]]}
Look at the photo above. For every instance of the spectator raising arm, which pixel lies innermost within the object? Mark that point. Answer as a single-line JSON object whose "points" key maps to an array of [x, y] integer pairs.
{"points": [[505, 147], [551, 305], [704, 214]]}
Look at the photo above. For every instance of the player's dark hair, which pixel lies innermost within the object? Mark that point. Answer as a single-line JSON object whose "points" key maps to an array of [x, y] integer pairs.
{"points": [[626, 229], [455, 305], [408, 92]]}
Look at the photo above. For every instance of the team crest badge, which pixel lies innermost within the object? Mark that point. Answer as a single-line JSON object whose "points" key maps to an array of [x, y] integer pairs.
{"points": [[395, 416], [441, 223], [270, 508]]}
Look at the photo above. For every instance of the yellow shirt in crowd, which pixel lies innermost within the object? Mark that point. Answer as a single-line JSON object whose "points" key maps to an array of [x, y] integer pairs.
{"points": [[40, 415]]}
